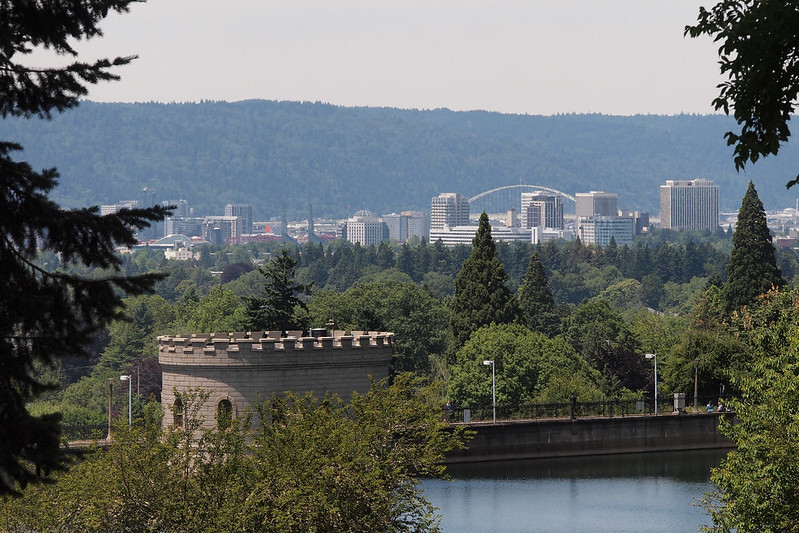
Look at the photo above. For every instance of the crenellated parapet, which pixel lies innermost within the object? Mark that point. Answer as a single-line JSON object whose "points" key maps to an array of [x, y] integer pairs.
{"points": [[265, 348], [242, 367]]}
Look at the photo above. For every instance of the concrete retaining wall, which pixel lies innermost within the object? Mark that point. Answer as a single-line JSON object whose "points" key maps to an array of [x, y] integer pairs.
{"points": [[592, 436]]}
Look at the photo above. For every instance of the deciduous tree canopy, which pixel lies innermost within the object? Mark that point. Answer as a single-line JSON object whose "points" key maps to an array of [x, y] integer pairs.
{"points": [[759, 480], [310, 465], [758, 55]]}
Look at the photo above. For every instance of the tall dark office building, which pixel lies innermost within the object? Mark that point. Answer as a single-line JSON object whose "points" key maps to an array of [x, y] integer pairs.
{"points": [[244, 212]]}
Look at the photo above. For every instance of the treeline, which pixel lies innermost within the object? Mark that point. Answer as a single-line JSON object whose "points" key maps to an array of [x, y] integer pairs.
{"points": [[659, 264], [603, 304]]}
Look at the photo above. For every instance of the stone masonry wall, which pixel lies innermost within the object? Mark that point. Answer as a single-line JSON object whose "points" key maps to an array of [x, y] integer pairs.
{"points": [[243, 368]]}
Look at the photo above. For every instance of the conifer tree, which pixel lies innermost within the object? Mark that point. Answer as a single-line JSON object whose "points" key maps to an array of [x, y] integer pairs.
{"points": [[481, 294], [279, 308], [752, 269], [47, 315], [536, 305]]}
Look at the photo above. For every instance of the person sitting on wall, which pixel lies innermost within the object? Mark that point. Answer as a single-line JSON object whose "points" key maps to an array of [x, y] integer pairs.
{"points": [[448, 410], [709, 407]]}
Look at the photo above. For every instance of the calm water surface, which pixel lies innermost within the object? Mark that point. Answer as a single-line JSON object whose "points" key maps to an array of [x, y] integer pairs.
{"points": [[639, 493]]}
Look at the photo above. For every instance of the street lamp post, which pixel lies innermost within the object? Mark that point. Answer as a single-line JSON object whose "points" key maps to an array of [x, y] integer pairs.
{"points": [[696, 385], [110, 404], [493, 387], [130, 395], [655, 357]]}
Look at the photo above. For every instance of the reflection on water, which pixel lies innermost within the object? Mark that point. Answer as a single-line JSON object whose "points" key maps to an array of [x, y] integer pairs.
{"points": [[637, 493]]}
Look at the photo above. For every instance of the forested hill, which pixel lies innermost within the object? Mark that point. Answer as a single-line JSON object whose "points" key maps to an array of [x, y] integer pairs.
{"points": [[273, 154]]}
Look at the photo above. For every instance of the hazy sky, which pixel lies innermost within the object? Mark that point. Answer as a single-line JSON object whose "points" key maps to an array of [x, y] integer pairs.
{"points": [[517, 56]]}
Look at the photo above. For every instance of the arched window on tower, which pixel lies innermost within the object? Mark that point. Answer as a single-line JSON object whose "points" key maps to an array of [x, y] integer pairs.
{"points": [[224, 413], [178, 419]]}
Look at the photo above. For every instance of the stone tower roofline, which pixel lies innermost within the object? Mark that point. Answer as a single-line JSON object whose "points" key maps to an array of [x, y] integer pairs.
{"points": [[239, 368], [242, 348]]}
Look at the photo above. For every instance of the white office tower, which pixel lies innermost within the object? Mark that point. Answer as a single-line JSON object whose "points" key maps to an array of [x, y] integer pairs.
{"points": [[366, 229], [597, 204], [542, 210], [689, 204], [599, 230], [449, 209]]}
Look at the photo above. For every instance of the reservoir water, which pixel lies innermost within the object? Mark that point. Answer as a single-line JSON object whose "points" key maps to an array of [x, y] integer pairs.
{"points": [[636, 493]]}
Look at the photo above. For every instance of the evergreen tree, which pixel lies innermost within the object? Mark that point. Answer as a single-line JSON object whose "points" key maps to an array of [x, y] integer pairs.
{"points": [[46, 315], [385, 256], [405, 261], [536, 305], [752, 269], [481, 294], [279, 308]]}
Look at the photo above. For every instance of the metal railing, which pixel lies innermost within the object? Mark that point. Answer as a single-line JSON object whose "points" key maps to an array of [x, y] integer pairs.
{"points": [[573, 409], [84, 432]]}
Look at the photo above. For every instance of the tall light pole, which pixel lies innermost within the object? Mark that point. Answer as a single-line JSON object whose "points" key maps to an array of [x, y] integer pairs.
{"points": [[655, 357], [493, 387], [130, 395], [696, 384], [110, 404]]}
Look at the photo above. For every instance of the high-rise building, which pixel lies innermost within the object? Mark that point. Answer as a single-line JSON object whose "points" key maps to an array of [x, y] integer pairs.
{"points": [[512, 218], [179, 214], [188, 226], [542, 210], [366, 229], [146, 198], [418, 224], [640, 220], [449, 209], [689, 204], [599, 230], [397, 227], [181, 208], [244, 212], [597, 204], [156, 229], [407, 224], [222, 230], [108, 209]]}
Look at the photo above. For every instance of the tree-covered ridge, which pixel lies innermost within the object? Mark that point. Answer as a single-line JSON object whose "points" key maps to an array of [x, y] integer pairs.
{"points": [[388, 160]]}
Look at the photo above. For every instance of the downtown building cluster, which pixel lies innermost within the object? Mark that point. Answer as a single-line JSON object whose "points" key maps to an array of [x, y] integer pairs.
{"points": [[685, 205], [541, 218]]}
